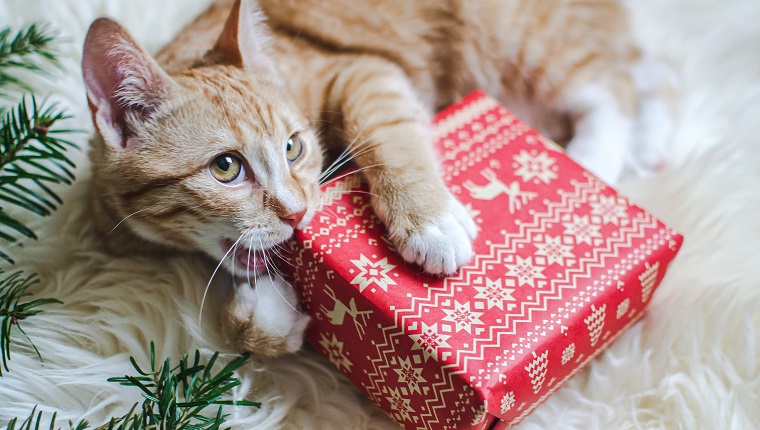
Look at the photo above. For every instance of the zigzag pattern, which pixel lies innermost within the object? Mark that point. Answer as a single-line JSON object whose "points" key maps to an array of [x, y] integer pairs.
{"points": [[473, 373]]}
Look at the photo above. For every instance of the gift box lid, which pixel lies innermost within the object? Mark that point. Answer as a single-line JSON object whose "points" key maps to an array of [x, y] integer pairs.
{"points": [[564, 264]]}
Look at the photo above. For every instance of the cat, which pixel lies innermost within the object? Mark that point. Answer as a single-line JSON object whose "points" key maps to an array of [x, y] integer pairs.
{"points": [[217, 144]]}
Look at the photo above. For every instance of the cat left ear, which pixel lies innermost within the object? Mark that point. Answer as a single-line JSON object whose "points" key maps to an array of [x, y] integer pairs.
{"points": [[125, 86], [245, 40]]}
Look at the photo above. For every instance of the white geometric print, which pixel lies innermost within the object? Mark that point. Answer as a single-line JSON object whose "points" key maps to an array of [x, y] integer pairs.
{"points": [[612, 209], [463, 316], [525, 271], [400, 406], [537, 370], [373, 272], [410, 374], [622, 308], [507, 402], [495, 293], [430, 340], [581, 227], [538, 167], [648, 279], [554, 250], [495, 187], [568, 353], [595, 322], [333, 349]]}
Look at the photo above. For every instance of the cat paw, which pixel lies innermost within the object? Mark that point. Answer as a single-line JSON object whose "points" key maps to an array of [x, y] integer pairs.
{"points": [[444, 245], [264, 320]]}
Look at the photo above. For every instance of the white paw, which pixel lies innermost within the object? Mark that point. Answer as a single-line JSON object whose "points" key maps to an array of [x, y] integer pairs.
{"points": [[266, 320], [444, 245]]}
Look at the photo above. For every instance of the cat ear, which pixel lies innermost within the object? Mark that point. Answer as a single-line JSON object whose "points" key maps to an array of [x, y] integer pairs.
{"points": [[245, 39], [124, 84]]}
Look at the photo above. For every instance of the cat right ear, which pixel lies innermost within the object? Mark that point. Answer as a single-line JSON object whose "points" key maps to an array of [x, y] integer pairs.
{"points": [[124, 84], [245, 40]]}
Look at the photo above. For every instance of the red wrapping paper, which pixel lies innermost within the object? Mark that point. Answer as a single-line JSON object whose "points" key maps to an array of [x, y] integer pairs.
{"points": [[564, 265]]}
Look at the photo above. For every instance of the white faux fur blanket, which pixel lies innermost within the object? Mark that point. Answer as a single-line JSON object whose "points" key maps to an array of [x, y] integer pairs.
{"points": [[694, 361]]}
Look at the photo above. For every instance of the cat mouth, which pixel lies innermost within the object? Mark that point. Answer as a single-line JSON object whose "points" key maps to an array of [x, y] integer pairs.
{"points": [[246, 259]]}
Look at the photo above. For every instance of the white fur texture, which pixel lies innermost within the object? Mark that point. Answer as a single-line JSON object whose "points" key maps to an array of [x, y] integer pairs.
{"points": [[693, 363]]}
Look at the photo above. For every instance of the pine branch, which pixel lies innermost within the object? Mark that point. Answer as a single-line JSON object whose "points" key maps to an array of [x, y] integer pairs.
{"points": [[29, 49], [175, 397], [13, 311], [32, 156]]}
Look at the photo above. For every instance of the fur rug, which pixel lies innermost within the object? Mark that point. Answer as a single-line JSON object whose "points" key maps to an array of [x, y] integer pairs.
{"points": [[694, 361]]}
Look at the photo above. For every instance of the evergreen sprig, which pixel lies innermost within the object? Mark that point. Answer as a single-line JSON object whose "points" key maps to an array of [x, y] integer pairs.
{"points": [[175, 397], [13, 288], [32, 157], [31, 48]]}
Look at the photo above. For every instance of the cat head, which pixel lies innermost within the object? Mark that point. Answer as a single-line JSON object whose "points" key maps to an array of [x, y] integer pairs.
{"points": [[215, 158]]}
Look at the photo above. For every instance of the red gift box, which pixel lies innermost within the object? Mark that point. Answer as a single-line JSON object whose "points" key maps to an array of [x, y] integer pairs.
{"points": [[563, 266]]}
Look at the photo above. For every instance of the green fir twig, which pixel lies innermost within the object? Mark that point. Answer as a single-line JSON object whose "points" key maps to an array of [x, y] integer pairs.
{"points": [[32, 157], [31, 48], [176, 397], [13, 288]]}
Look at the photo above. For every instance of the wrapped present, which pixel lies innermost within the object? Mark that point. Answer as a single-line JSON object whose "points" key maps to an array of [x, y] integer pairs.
{"points": [[563, 265]]}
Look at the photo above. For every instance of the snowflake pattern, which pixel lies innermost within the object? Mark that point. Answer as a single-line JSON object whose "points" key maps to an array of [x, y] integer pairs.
{"points": [[430, 341], [399, 405], [496, 294], [333, 349], [410, 374], [554, 250], [525, 271], [582, 229], [540, 167], [373, 273], [463, 316], [507, 402], [568, 353], [612, 209]]}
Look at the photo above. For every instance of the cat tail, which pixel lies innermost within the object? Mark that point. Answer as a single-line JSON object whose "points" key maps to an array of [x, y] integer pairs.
{"points": [[656, 82]]}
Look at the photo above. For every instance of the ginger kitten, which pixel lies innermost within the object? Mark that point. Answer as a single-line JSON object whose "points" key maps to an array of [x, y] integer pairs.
{"points": [[214, 148]]}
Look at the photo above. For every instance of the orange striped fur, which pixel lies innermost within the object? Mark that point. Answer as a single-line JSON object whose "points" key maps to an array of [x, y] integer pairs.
{"points": [[363, 75]]}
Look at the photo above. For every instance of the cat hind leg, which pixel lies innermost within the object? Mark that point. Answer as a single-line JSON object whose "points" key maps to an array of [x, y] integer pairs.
{"points": [[602, 132]]}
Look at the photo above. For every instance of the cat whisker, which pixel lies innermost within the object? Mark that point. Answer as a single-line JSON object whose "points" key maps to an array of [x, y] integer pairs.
{"points": [[208, 286], [350, 173], [125, 218], [279, 275], [348, 154]]}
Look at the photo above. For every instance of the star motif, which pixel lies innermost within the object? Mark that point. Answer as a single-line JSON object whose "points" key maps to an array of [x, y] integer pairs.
{"points": [[463, 316], [410, 374], [554, 250], [535, 167], [373, 273], [333, 349], [582, 229], [525, 271], [568, 353], [612, 209], [495, 293], [507, 402], [430, 341], [400, 405]]}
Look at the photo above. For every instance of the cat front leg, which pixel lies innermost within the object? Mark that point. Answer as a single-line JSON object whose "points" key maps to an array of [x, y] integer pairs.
{"points": [[263, 319], [387, 130]]}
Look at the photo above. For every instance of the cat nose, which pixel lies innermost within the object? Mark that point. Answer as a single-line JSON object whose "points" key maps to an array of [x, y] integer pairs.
{"points": [[294, 219]]}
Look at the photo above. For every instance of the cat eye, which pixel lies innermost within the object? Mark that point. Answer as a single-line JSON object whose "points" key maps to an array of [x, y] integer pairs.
{"points": [[293, 148], [227, 169]]}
